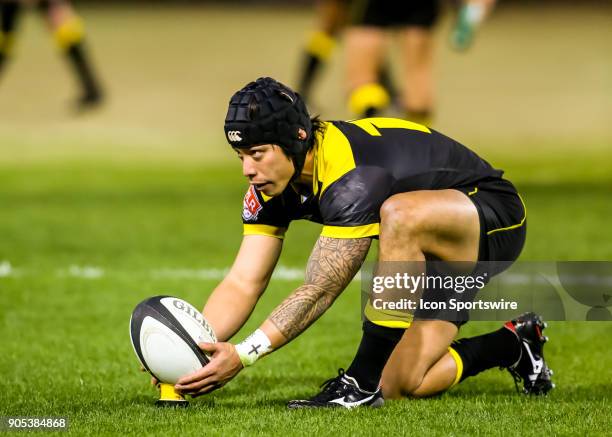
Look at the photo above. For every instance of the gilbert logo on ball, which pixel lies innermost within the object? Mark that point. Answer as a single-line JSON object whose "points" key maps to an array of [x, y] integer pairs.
{"points": [[165, 332]]}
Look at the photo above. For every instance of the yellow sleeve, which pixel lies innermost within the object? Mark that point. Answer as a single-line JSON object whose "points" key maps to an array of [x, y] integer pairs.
{"points": [[270, 231], [361, 231]]}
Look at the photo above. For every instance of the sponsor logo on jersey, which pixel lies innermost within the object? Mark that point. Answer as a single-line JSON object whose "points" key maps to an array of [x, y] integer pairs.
{"points": [[251, 206], [234, 136]]}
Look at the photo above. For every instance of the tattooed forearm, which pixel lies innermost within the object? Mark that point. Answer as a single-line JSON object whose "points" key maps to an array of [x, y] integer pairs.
{"points": [[331, 266]]}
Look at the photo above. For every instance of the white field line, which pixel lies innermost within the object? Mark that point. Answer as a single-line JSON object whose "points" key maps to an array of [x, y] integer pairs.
{"points": [[281, 273], [86, 272], [6, 269]]}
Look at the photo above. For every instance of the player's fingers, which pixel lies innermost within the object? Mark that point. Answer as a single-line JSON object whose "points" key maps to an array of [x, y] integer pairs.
{"points": [[198, 375], [196, 386], [154, 381], [206, 390], [208, 347]]}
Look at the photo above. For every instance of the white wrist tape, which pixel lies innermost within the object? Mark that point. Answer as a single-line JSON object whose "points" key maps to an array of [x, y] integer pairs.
{"points": [[253, 347]]}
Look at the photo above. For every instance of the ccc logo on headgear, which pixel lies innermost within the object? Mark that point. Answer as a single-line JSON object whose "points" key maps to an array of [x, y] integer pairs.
{"points": [[234, 135]]}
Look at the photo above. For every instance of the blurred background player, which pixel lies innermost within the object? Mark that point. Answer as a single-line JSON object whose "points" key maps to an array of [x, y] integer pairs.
{"points": [[331, 16], [366, 44], [471, 15], [68, 31]]}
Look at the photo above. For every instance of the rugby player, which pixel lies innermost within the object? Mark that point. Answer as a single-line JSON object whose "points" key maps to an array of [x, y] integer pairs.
{"points": [[422, 194], [366, 43], [332, 17], [68, 31]]}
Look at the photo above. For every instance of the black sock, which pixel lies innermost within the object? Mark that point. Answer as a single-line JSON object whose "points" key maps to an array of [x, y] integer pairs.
{"points": [[384, 78], [311, 66], [9, 14], [370, 112], [500, 348], [77, 56], [376, 346]]}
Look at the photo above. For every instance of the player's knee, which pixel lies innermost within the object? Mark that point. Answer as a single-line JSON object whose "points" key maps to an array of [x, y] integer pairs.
{"points": [[407, 386], [403, 384], [390, 386], [401, 215], [411, 383]]}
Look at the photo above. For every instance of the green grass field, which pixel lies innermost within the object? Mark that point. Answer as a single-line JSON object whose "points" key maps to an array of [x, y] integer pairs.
{"points": [[144, 198]]}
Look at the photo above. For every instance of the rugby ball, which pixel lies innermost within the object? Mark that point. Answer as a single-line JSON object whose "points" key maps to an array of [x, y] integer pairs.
{"points": [[165, 332]]}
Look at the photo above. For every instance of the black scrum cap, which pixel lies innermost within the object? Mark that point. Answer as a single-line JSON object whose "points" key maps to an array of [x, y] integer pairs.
{"points": [[268, 112]]}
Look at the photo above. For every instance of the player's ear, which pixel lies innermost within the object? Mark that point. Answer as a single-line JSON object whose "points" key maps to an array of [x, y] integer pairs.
{"points": [[302, 135]]}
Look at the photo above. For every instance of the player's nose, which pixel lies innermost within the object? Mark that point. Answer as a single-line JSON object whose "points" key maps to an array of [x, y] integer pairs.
{"points": [[248, 169]]}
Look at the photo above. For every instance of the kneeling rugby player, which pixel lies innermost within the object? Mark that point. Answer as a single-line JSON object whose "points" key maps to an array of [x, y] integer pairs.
{"points": [[422, 194]]}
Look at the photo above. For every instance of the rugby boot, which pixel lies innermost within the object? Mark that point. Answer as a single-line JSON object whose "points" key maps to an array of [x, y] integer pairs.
{"points": [[340, 391], [530, 368]]}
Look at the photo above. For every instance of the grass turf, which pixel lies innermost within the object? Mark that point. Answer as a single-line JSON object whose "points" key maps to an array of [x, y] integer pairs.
{"points": [[66, 351]]}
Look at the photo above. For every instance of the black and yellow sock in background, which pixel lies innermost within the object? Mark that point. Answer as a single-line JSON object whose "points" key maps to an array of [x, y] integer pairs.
{"points": [[9, 14], [69, 37], [385, 79], [319, 48], [368, 100]]}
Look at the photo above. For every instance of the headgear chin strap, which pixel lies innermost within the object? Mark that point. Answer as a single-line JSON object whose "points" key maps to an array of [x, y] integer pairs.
{"points": [[268, 112]]}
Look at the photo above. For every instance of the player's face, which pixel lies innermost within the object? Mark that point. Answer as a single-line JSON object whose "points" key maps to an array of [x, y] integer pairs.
{"points": [[267, 168]]}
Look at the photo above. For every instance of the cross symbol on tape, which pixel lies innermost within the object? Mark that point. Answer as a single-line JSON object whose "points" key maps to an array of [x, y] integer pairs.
{"points": [[255, 349]]}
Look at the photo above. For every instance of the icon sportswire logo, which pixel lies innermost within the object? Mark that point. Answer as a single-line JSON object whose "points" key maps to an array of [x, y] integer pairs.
{"points": [[234, 135]]}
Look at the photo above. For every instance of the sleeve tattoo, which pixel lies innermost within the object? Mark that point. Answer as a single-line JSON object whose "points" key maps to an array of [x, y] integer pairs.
{"points": [[331, 266]]}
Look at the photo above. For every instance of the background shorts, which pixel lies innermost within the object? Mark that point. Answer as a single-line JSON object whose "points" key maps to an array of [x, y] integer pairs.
{"points": [[393, 13]]}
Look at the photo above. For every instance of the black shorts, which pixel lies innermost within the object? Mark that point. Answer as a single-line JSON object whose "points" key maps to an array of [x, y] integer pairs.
{"points": [[393, 13], [503, 220], [503, 229]]}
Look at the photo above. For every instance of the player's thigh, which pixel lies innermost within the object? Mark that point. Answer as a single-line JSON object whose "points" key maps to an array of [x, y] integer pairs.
{"points": [[443, 223], [422, 345], [365, 47]]}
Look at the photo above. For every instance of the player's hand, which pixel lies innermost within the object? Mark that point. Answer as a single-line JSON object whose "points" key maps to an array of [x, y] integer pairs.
{"points": [[224, 365]]}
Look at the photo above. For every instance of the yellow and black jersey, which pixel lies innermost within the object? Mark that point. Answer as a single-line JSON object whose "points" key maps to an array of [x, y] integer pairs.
{"points": [[358, 165]]}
